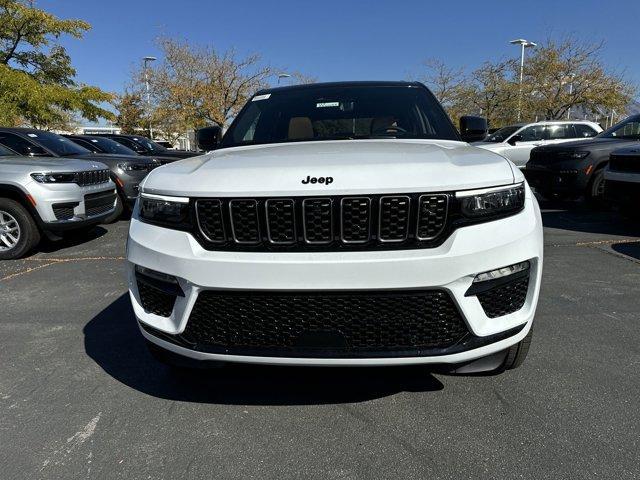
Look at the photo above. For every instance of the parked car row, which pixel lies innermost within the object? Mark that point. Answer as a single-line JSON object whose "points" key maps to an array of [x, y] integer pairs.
{"points": [[51, 183]]}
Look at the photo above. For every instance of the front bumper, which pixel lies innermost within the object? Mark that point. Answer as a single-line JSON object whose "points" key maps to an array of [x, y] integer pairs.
{"points": [[568, 181], [451, 267], [75, 201], [622, 188]]}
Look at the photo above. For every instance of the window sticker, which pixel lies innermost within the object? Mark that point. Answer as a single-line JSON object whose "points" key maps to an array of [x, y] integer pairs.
{"points": [[261, 97], [32, 135], [327, 104]]}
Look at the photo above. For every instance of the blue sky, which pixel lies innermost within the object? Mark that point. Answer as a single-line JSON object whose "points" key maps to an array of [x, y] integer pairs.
{"points": [[341, 40]]}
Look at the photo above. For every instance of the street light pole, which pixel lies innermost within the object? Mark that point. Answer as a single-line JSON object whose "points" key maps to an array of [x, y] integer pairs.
{"points": [[283, 75], [146, 61], [523, 44]]}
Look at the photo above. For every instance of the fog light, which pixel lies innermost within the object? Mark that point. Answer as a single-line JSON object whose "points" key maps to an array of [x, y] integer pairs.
{"points": [[502, 272]]}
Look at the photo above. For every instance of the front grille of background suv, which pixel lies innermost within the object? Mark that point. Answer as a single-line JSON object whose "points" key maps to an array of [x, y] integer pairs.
{"points": [[91, 177], [328, 223]]}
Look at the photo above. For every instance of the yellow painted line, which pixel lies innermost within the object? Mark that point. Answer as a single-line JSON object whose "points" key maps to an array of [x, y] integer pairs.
{"points": [[54, 261]]}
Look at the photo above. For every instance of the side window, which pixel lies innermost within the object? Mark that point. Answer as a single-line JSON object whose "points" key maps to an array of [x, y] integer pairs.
{"points": [[129, 143], [20, 145], [533, 133], [559, 132], [83, 143], [584, 131]]}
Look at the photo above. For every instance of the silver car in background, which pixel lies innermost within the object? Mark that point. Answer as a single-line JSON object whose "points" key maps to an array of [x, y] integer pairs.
{"points": [[48, 196]]}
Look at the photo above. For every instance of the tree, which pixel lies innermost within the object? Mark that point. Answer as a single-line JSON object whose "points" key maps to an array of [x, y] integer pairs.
{"points": [[202, 86], [131, 117], [447, 84], [568, 74], [492, 93], [37, 84]]}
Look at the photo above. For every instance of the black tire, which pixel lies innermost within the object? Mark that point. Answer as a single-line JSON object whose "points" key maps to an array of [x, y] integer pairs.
{"points": [[595, 190], [517, 353], [117, 212], [28, 235]]}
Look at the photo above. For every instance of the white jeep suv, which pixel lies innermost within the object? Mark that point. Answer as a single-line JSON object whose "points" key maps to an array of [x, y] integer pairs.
{"points": [[338, 224], [516, 141]]}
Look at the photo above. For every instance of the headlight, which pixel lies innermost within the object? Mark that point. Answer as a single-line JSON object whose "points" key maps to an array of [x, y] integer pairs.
{"points": [[491, 202], [54, 177], [172, 212], [134, 167]]}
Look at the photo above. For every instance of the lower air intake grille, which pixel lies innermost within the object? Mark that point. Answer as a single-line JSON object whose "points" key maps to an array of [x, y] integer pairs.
{"points": [[154, 300], [64, 211], [99, 203], [504, 299], [342, 323]]}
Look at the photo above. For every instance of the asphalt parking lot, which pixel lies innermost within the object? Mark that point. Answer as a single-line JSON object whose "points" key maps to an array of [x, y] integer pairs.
{"points": [[81, 397]]}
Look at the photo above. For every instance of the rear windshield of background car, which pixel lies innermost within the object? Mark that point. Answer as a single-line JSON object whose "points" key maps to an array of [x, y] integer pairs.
{"points": [[340, 113]]}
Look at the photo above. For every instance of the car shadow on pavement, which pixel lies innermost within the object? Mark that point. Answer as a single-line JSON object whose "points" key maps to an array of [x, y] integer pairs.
{"points": [[630, 249], [113, 341], [70, 239], [581, 217]]}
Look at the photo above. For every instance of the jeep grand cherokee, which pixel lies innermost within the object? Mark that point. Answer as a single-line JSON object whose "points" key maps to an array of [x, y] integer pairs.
{"points": [[420, 249]]}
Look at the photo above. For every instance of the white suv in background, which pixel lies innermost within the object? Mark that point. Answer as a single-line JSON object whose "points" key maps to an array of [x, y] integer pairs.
{"points": [[516, 141], [338, 224]]}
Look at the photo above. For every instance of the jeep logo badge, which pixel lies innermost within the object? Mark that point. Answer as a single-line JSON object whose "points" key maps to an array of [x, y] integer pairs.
{"points": [[325, 180]]}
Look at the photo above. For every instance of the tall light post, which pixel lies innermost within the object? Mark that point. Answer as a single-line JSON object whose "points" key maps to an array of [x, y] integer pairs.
{"points": [[146, 61], [283, 75], [523, 44]]}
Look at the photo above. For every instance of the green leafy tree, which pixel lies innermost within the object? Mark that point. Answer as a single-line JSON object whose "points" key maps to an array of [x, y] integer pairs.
{"points": [[37, 80], [131, 117]]}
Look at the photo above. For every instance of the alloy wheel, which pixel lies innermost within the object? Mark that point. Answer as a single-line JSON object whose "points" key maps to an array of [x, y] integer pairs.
{"points": [[9, 231]]}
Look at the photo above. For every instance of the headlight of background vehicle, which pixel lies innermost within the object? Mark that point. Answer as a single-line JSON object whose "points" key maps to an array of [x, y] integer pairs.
{"points": [[135, 167], [172, 212], [54, 177], [491, 202]]}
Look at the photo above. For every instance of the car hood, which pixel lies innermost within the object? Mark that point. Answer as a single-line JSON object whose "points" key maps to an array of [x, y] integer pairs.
{"points": [[47, 165], [357, 166], [113, 159], [174, 154], [588, 144]]}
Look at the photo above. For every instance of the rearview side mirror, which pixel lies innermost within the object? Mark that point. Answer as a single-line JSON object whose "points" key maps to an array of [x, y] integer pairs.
{"points": [[514, 139], [473, 128], [208, 138]]}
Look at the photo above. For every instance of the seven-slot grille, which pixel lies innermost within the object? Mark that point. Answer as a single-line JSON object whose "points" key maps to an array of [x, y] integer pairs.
{"points": [[91, 177], [407, 220]]}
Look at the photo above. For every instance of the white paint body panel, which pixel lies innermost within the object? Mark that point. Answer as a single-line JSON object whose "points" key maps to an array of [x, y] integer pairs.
{"points": [[378, 166]]}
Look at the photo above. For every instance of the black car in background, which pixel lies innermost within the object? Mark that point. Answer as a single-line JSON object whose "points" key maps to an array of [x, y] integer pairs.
{"points": [[572, 169], [127, 171], [622, 180], [102, 144], [147, 147]]}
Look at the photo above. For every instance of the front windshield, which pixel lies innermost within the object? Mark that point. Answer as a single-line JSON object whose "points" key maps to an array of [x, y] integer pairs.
{"points": [[340, 113], [58, 144], [628, 129], [149, 145], [501, 135], [106, 145], [4, 152]]}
